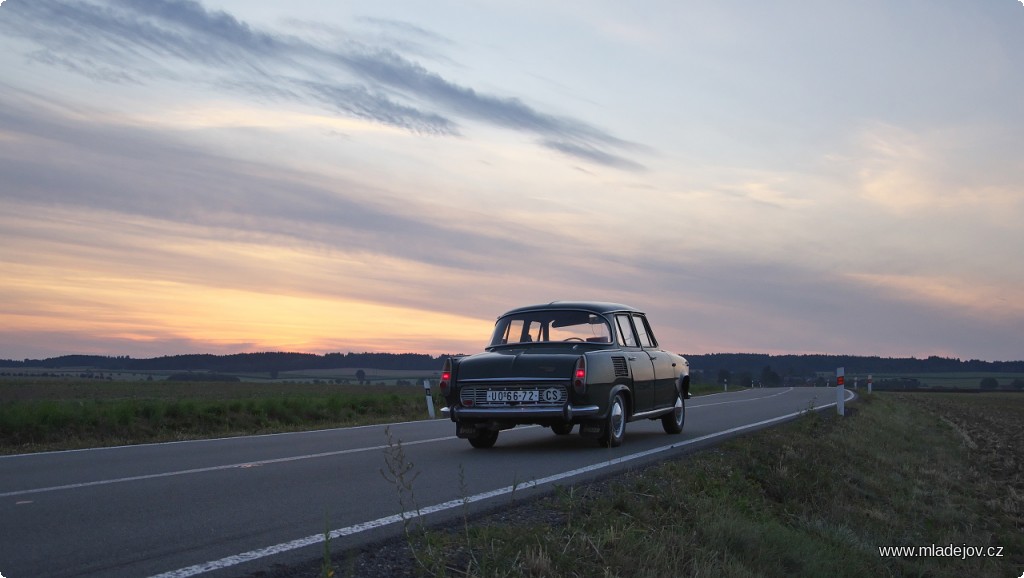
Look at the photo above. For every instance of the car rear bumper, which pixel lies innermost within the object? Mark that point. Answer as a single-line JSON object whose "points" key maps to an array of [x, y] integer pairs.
{"points": [[520, 414]]}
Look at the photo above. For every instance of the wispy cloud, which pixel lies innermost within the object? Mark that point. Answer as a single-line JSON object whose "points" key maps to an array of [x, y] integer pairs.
{"points": [[905, 171], [130, 40], [592, 154], [60, 162]]}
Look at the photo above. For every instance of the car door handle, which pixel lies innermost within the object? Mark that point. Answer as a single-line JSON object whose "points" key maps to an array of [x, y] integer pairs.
{"points": [[631, 358]]}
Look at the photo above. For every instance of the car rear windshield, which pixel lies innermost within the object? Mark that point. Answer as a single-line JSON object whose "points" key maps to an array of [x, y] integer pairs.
{"points": [[548, 326]]}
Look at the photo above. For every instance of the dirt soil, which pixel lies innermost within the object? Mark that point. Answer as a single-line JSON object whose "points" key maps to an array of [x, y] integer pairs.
{"points": [[992, 428]]}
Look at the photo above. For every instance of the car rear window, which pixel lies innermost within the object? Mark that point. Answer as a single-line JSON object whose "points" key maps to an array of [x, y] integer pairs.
{"points": [[555, 325]]}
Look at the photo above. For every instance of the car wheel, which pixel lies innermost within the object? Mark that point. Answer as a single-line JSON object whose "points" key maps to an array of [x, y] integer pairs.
{"points": [[673, 421], [615, 426], [562, 429], [484, 440]]}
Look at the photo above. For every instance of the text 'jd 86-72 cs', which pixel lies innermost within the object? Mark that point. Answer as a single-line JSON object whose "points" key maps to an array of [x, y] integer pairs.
{"points": [[562, 364]]}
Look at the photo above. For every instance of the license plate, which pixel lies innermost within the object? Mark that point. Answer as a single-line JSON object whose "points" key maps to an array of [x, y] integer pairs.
{"points": [[517, 395]]}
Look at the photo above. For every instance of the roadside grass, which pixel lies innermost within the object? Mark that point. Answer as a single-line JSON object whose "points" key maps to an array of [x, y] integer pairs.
{"points": [[815, 497], [40, 415], [706, 388]]}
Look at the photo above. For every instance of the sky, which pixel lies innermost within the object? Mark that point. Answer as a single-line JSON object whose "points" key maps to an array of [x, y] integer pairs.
{"points": [[226, 176]]}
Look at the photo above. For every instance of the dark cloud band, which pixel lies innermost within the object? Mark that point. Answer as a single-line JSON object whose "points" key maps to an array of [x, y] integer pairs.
{"points": [[130, 40]]}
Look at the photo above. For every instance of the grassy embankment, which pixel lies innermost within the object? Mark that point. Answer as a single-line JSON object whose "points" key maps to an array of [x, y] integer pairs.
{"points": [[38, 414], [816, 497]]}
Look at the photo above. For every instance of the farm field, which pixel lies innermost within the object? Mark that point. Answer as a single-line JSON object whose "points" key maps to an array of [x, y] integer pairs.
{"points": [[957, 380], [40, 414]]}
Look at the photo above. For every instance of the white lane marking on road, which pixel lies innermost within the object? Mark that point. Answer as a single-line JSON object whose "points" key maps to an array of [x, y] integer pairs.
{"points": [[279, 460], [213, 468], [388, 520], [689, 406]]}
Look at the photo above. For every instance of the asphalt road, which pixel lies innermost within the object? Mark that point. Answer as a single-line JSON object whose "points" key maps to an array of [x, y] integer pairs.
{"points": [[229, 507]]}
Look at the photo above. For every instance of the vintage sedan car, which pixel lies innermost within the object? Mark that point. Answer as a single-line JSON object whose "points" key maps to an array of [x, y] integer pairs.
{"points": [[562, 364]]}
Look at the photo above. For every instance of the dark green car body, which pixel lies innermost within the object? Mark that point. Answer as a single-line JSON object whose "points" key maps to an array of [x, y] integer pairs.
{"points": [[564, 364]]}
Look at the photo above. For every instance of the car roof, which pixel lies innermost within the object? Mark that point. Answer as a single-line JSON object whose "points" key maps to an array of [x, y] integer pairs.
{"points": [[592, 306]]}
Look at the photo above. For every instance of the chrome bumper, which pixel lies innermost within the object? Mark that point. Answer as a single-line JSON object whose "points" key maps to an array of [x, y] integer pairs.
{"points": [[565, 412]]}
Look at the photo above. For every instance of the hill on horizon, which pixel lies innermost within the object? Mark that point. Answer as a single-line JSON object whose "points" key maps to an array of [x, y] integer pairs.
{"points": [[755, 363]]}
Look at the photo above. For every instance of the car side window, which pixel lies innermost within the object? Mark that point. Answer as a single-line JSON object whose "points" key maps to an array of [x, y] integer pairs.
{"points": [[626, 337], [512, 331], [643, 331], [535, 331]]}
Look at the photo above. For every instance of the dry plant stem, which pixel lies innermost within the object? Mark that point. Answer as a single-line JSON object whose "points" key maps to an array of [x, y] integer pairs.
{"points": [[401, 474]]}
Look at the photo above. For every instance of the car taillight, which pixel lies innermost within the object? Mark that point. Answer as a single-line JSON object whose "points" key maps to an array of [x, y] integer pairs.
{"points": [[579, 375], [446, 377]]}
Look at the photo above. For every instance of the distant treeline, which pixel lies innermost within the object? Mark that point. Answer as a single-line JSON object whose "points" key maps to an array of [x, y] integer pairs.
{"points": [[754, 363], [240, 362], [808, 365]]}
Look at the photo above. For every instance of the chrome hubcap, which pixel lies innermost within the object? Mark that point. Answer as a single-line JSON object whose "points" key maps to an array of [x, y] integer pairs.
{"points": [[617, 421]]}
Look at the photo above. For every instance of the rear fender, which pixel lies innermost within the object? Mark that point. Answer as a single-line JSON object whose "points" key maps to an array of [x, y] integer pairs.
{"points": [[627, 396]]}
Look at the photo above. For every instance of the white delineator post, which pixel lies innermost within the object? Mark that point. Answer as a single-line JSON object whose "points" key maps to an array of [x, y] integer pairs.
{"points": [[430, 398], [869, 384], [840, 390]]}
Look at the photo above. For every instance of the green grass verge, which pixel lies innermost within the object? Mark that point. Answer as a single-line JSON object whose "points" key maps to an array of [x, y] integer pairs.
{"points": [[816, 497], [37, 415]]}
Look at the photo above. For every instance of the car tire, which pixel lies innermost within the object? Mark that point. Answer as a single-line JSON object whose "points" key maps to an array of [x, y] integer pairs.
{"points": [[674, 420], [615, 425], [484, 440], [562, 429]]}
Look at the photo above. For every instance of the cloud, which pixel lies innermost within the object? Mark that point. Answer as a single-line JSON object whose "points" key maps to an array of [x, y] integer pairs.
{"points": [[55, 161], [407, 37], [104, 194], [593, 154], [133, 40], [729, 302], [970, 298], [907, 171], [360, 102]]}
